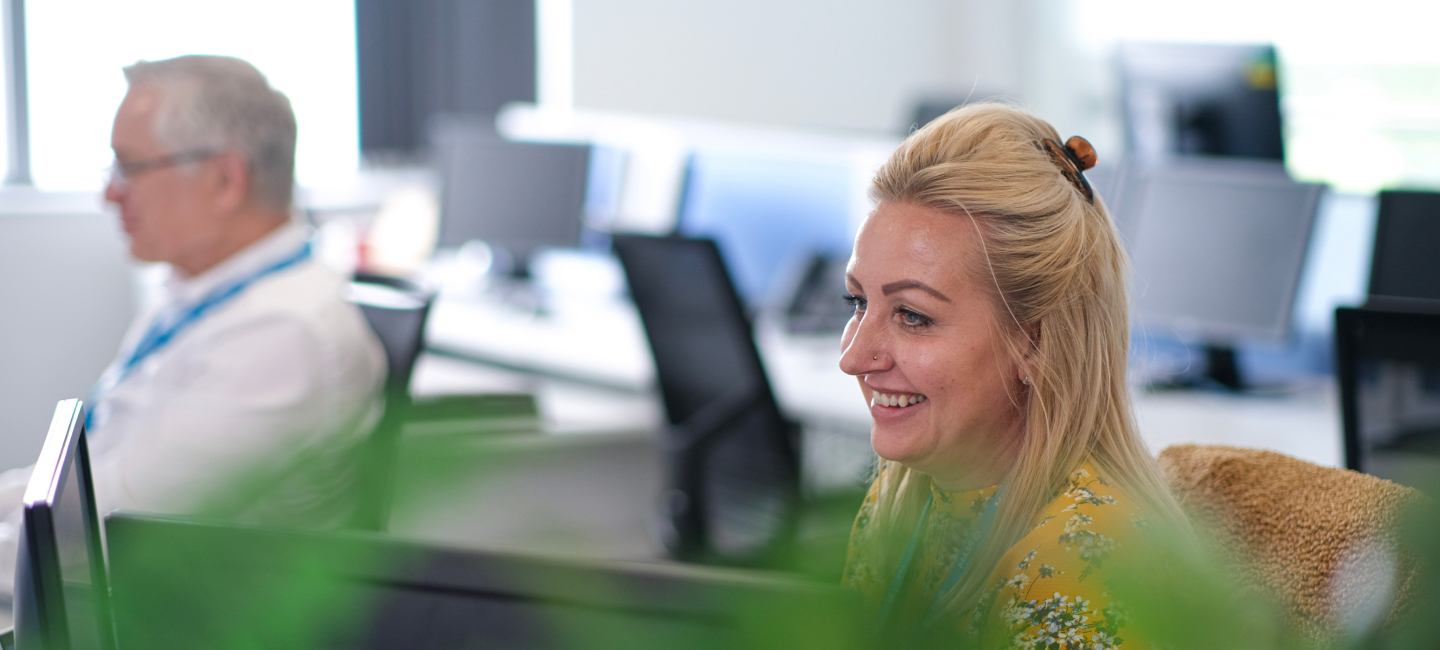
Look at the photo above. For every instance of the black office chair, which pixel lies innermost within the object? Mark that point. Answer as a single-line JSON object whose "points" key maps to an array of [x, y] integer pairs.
{"points": [[1404, 270], [396, 310], [1388, 366], [733, 496]]}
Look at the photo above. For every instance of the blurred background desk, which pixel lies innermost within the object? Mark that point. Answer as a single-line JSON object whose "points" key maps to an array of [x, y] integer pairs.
{"points": [[593, 371], [585, 476]]}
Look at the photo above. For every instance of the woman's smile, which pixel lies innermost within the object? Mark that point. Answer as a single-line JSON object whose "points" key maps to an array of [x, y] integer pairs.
{"points": [[899, 400]]}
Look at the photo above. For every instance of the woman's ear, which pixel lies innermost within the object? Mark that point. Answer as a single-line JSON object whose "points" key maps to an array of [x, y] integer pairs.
{"points": [[1030, 344]]}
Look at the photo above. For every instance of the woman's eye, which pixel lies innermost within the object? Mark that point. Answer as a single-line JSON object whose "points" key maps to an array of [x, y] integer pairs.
{"points": [[856, 302], [914, 319]]}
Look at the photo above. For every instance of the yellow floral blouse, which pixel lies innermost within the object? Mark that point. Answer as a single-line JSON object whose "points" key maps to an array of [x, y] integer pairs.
{"points": [[1047, 591]]}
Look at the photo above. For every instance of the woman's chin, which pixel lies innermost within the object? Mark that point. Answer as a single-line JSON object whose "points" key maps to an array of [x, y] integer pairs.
{"points": [[898, 446]]}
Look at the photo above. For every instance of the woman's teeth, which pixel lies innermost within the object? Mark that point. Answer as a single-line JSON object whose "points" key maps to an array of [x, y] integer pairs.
{"points": [[900, 401]]}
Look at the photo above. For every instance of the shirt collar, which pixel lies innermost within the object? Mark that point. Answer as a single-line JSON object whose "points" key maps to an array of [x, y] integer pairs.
{"points": [[962, 504], [269, 249]]}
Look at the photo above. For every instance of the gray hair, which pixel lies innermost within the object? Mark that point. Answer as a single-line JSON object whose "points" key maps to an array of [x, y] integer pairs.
{"points": [[222, 103]]}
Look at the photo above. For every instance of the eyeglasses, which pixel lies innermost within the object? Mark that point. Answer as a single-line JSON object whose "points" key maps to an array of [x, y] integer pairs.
{"points": [[121, 172]]}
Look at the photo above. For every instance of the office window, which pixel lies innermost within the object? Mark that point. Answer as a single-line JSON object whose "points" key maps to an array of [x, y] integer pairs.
{"points": [[1360, 82], [76, 49]]}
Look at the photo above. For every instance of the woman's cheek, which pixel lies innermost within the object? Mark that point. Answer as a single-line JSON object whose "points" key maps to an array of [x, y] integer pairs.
{"points": [[924, 368]]}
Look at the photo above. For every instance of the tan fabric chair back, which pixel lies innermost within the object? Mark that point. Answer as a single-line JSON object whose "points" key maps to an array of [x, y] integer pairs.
{"points": [[1325, 541]]}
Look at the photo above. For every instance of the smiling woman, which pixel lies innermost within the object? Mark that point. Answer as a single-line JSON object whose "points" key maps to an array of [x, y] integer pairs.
{"points": [[990, 338]]}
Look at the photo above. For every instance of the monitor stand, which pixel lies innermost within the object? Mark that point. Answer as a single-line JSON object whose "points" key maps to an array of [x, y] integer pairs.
{"points": [[1221, 370], [512, 282]]}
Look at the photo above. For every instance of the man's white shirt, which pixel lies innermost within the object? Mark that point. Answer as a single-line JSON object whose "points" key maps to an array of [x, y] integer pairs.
{"points": [[255, 412]]}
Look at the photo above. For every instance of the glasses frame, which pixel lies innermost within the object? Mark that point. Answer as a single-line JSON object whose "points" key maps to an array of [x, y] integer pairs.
{"points": [[121, 172]]}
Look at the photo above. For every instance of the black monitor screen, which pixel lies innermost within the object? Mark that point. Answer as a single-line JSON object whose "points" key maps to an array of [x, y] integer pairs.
{"points": [[61, 596], [1399, 405], [1389, 366], [1407, 236], [1192, 99]]}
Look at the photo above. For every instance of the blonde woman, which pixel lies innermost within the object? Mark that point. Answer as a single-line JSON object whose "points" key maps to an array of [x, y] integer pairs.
{"points": [[990, 337]]}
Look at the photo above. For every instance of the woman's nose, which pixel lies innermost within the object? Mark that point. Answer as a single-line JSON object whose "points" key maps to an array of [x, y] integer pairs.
{"points": [[863, 349]]}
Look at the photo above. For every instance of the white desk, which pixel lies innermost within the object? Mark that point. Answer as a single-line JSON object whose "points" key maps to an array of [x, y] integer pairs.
{"points": [[601, 342]]}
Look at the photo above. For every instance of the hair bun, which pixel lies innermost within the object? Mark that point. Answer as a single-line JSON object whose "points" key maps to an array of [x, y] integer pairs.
{"points": [[1082, 152]]}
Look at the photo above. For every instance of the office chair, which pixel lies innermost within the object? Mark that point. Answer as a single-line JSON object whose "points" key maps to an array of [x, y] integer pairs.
{"points": [[396, 310], [1324, 542], [1388, 366], [1404, 270], [733, 491]]}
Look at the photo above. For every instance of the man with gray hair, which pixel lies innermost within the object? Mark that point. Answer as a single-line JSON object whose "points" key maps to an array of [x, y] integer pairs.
{"points": [[248, 391]]}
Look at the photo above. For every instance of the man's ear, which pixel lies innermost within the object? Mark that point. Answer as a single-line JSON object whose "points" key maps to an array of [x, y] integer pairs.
{"points": [[230, 180]]}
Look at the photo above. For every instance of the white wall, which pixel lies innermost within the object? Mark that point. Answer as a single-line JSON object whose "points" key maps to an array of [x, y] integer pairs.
{"points": [[66, 297], [848, 64], [842, 64]]}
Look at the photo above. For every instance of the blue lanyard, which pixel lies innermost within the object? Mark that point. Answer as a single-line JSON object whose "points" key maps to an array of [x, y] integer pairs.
{"points": [[160, 334], [961, 566]]}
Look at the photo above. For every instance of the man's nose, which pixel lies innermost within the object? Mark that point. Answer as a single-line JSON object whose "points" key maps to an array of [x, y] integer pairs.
{"points": [[113, 191]]}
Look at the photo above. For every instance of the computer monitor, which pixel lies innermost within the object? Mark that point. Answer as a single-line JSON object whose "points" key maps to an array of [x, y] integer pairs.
{"points": [[184, 584], [417, 60], [1388, 366], [1217, 249], [1405, 267], [1196, 99], [514, 196], [734, 465], [61, 592], [768, 214]]}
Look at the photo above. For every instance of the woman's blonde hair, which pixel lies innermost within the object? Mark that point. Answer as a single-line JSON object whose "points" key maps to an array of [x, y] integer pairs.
{"points": [[1057, 269]]}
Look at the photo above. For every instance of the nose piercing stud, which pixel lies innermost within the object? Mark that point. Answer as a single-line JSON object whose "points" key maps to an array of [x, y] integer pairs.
{"points": [[875, 358]]}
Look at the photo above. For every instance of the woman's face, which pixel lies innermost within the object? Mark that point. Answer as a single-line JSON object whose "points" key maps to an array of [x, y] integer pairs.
{"points": [[924, 342]]}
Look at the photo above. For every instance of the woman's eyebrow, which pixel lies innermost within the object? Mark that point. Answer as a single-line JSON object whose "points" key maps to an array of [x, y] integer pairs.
{"points": [[912, 284], [851, 278]]}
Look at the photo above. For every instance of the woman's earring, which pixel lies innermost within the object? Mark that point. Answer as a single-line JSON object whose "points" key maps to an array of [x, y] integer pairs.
{"points": [[1026, 380]]}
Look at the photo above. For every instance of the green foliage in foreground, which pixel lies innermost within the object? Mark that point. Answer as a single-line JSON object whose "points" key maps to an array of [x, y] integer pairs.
{"points": [[1183, 598]]}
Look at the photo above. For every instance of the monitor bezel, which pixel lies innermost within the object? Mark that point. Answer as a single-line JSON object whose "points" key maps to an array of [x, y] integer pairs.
{"points": [[64, 441]]}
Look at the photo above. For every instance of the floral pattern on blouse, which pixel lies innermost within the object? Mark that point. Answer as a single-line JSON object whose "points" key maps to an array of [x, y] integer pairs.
{"points": [[1048, 590]]}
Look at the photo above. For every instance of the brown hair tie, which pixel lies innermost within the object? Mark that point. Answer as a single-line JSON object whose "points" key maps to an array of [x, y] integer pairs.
{"points": [[1073, 159]]}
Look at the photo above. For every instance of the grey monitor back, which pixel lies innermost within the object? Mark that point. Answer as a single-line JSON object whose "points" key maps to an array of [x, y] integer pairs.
{"points": [[1405, 266], [1217, 247], [515, 195]]}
